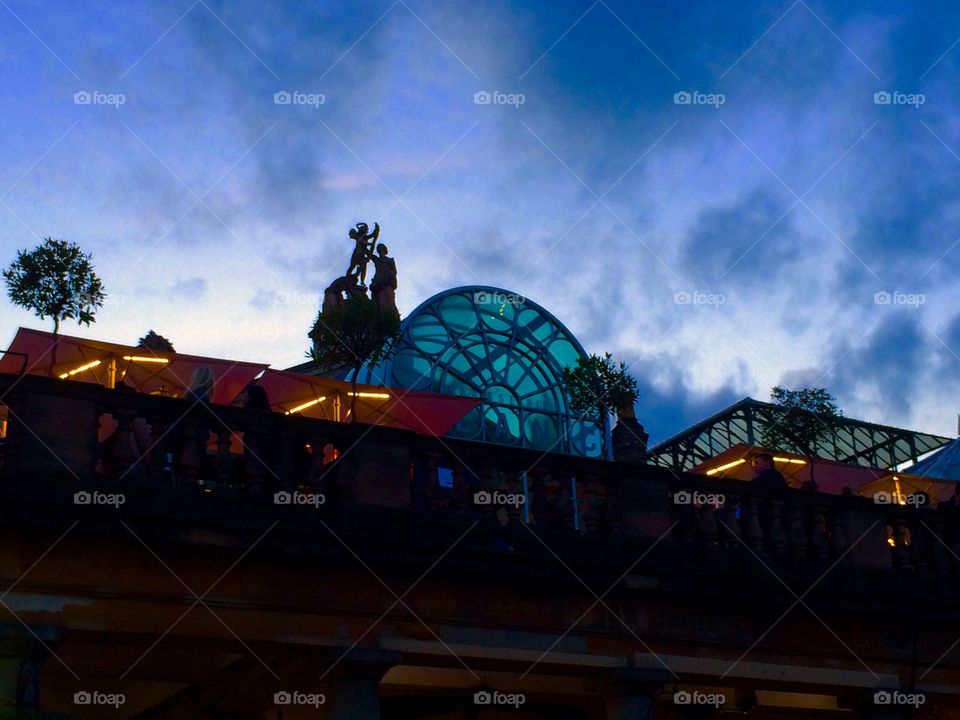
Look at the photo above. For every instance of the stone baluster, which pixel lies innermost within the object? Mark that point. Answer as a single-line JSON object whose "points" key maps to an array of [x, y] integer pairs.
{"points": [[190, 461], [732, 531], [707, 526], [686, 516], [222, 467], [901, 547], [754, 531], [919, 548], [778, 538], [939, 563], [317, 478], [288, 471], [122, 454], [159, 467], [819, 537], [256, 471], [798, 531], [838, 537]]}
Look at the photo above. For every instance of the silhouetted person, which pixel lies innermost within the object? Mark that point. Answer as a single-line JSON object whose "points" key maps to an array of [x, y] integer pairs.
{"points": [[951, 504], [765, 474]]}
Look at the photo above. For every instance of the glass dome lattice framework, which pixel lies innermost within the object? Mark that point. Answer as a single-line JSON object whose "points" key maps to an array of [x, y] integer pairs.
{"points": [[496, 345]]}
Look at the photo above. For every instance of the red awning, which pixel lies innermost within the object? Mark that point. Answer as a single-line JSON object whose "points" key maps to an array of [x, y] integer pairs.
{"points": [[148, 371], [321, 397]]}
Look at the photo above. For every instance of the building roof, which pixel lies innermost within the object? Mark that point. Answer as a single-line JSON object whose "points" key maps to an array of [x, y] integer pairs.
{"points": [[849, 440], [944, 464]]}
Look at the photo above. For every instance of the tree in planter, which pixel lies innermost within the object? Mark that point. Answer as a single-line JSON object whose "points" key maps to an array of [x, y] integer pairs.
{"points": [[55, 280], [356, 334], [598, 387], [804, 418], [155, 341]]}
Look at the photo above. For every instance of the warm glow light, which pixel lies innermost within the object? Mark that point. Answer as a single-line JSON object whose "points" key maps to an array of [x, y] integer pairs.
{"points": [[311, 403], [715, 470], [891, 542], [71, 373], [370, 395], [141, 358], [790, 460]]}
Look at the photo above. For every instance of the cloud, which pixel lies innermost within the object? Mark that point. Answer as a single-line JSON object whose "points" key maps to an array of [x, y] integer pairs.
{"points": [[195, 288]]}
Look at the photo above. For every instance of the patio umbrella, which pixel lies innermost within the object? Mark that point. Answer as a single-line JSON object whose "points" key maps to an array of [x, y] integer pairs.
{"points": [[105, 363], [329, 399]]}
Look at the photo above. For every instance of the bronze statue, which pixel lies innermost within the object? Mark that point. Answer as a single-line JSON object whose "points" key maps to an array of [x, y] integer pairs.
{"points": [[363, 249], [384, 284], [333, 295]]}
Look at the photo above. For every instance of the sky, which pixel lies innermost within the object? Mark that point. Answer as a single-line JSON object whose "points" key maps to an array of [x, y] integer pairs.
{"points": [[725, 195]]}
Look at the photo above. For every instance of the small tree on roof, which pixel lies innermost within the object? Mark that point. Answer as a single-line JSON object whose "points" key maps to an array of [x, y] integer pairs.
{"points": [[599, 385], [356, 334], [55, 280], [805, 419]]}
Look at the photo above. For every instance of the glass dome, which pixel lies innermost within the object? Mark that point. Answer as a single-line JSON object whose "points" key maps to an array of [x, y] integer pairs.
{"points": [[493, 344]]}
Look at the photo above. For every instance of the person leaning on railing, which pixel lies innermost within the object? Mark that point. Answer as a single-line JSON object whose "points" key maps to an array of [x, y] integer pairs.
{"points": [[765, 474]]}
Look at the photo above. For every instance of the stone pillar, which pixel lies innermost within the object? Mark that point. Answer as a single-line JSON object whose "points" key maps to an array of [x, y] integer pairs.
{"points": [[628, 438], [353, 692], [629, 694], [21, 656]]}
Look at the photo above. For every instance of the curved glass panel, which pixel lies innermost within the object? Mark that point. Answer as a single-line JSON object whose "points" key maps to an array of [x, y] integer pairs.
{"points": [[498, 346]]}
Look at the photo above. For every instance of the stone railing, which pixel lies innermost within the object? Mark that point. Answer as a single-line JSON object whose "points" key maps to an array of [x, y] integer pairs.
{"points": [[84, 436]]}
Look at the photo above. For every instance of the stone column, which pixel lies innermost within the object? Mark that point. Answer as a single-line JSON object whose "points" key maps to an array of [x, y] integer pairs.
{"points": [[21, 656], [353, 692], [629, 694]]}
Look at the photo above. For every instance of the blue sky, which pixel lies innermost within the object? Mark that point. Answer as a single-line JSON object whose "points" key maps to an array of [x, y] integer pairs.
{"points": [[786, 226]]}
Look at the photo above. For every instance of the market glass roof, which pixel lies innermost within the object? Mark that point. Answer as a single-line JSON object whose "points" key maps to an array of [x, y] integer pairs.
{"points": [[848, 440], [489, 343]]}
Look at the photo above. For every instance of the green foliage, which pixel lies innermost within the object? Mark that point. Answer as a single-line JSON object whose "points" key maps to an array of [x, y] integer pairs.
{"points": [[55, 280], [354, 335], [805, 419], [598, 385]]}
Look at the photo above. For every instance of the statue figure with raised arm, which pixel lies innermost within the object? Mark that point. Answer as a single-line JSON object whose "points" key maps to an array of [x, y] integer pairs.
{"points": [[363, 250]]}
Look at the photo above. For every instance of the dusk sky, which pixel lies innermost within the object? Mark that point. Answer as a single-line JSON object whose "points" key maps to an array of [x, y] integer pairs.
{"points": [[796, 222]]}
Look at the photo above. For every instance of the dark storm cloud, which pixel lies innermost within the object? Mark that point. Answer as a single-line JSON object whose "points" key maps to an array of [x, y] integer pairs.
{"points": [[889, 363]]}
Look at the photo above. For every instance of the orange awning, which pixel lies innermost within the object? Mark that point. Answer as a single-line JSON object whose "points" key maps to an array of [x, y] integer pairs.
{"points": [[321, 397], [148, 371]]}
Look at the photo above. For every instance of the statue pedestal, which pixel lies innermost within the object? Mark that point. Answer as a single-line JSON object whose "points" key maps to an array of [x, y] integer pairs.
{"points": [[629, 440]]}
